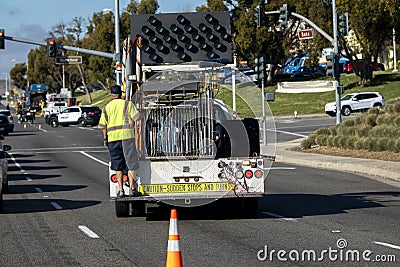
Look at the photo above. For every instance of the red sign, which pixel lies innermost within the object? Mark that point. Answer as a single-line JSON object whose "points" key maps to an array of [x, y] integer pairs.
{"points": [[306, 34]]}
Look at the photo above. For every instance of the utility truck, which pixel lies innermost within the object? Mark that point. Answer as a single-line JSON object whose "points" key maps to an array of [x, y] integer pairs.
{"points": [[191, 150]]}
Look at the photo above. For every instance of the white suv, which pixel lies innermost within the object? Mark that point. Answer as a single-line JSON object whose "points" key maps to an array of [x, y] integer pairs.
{"points": [[356, 102], [54, 108]]}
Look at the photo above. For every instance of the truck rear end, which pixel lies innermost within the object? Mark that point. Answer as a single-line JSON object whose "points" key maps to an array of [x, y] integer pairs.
{"points": [[192, 152]]}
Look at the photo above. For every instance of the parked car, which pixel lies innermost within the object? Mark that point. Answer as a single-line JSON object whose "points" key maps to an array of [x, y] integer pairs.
{"points": [[80, 115], [348, 66], [4, 167], [54, 107], [10, 119], [5, 125], [356, 102]]}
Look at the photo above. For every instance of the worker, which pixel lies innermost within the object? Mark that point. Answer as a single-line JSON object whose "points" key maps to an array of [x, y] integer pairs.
{"points": [[117, 121]]}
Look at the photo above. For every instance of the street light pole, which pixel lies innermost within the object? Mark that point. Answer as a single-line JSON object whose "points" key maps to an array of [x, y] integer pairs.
{"points": [[394, 52], [336, 64], [118, 67]]}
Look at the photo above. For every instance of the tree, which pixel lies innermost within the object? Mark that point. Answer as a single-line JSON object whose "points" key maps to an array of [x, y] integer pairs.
{"points": [[212, 5], [17, 74], [372, 22]]}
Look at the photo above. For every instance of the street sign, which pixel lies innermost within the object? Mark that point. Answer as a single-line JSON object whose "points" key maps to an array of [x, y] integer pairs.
{"points": [[69, 60], [306, 34]]}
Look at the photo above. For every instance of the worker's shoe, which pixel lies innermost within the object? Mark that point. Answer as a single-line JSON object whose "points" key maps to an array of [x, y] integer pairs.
{"points": [[134, 193], [120, 194]]}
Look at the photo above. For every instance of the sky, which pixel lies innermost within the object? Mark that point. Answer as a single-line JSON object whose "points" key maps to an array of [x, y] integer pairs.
{"points": [[32, 20]]}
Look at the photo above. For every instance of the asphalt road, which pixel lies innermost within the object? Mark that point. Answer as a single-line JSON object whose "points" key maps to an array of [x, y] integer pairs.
{"points": [[58, 213]]}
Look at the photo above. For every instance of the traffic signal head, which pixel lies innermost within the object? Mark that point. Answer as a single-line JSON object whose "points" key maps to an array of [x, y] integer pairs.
{"points": [[283, 16], [2, 40], [183, 37], [51, 48], [260, 69], [257, 18], [329, 65], [343, 24]]}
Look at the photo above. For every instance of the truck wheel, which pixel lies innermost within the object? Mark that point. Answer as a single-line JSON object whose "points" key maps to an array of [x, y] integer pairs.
{"points": [[1, 202], [249, 206], [82, 122], [138, 208], [121, 208]]}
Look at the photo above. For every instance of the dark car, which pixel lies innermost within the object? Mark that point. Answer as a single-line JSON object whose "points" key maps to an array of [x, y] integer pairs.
{"points": [[5, 126], [10, 119]]}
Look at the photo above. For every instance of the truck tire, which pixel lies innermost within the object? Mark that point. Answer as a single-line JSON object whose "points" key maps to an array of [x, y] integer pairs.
{"points": [[1, 202], [138, 208], [121, 208], [82, 122], [249, 206]]}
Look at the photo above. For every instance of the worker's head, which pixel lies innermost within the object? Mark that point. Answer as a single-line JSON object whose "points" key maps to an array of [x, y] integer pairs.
{"points": [[116, 91]]}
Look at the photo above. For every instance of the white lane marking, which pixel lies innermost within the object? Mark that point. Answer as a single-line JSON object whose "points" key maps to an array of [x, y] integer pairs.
{"points": [[29, 179], [93, 158], [56, 205], [289, 133], [16, 163], [55, 148], [336, 231], [278, 216], [387, 245], [39, 190], [87, 231], [88, 129], [304, 126]]}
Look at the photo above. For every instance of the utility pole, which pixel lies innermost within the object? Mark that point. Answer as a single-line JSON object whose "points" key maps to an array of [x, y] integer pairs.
{"points": [[118, 65], [394, 52], [336, 64]]}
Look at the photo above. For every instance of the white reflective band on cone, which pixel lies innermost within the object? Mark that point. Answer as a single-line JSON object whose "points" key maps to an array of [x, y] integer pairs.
{"points": [[173, 245], [173, 227]]}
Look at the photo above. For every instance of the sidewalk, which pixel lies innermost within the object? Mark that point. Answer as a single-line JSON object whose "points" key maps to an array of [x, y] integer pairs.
{"points": [[384, 169]]}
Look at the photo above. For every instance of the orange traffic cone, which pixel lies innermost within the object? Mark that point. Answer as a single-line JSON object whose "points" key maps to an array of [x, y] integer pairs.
{"points": [[174, 255], [40, 127], [24, 126]]}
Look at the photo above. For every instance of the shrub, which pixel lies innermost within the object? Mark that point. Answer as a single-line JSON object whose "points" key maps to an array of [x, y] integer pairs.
{"points": [[306, 143], [351, 142], [329, 140], [342, 141], [396, 121], [382, 119], [397, 145], [391, 146], [382, 144], [321, 140], [333, 131], [349, 123], [359, 145], [370, 120], [370, 144], [322, 131], [336, 141], [363, 131], [373, 111]]}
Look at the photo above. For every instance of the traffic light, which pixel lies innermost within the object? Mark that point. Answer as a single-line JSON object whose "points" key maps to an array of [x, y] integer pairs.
{"points": [[283, 16], [184, 37], [2, 40], [259, 69], [329, 65], [259, 16], [51, 48], [343, 24]]}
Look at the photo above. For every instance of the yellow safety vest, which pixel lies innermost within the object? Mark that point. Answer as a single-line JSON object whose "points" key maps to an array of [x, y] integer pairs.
{"points": [[118, 117]]}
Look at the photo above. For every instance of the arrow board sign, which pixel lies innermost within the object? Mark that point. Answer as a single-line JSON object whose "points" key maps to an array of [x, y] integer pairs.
{"points": [[69, 60], [306, 34]]}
